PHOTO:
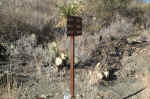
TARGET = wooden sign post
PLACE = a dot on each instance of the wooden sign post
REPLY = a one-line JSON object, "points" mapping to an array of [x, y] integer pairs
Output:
{"points": [[74, 28]]}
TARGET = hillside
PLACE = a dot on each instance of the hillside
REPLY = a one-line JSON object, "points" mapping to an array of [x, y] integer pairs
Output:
{"points": [[111, 56]]}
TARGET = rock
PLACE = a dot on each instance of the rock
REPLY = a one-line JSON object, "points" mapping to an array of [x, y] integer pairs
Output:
{"points": [[58, 61], [63, 56], [100, 75], [106, 73], [52, 47], [33, 36], [76, 60], [98, 66], [54, 44], [42, 97]]}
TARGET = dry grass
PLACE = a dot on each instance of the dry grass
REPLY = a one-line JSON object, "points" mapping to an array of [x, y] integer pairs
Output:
{"points": [[9, 93], [146, 79], [37, 13], [94, 77], [33, 12]]}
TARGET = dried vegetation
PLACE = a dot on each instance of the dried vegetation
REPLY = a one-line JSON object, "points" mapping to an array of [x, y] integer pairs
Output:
{"points": [[37, 46]]}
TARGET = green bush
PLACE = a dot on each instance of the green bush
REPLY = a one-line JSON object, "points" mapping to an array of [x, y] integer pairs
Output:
{"points": [[67, 9]]}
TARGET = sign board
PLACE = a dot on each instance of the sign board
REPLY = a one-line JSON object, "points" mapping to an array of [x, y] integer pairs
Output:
{"points": [[74, 28], [74, 25]]}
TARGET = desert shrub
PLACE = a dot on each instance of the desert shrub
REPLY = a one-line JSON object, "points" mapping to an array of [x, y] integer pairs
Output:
{"points": [[12, 29], [137, 14], [109, 52], [28, 61], [4, 55], [48, 33], [29, 58], [68, 9], [35, 12], [28, 17], [146, 15], [106, 9], [119, 28]]}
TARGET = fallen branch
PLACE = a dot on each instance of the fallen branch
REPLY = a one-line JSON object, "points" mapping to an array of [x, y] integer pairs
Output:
{"points": [[133, 94]]}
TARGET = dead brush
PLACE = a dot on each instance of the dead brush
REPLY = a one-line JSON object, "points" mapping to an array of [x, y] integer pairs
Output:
{"points": [[38, 62], [145, 77], [9, 90], [94, 77], [98, 73], [146, 80]]}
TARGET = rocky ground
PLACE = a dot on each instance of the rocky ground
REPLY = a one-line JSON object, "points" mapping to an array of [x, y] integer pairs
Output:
{"points": [[111, 57], [132, 82]]}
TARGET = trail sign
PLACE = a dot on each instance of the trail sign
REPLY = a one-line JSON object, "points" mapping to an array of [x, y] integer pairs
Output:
{"points": [[74, 25], [74, 28]]}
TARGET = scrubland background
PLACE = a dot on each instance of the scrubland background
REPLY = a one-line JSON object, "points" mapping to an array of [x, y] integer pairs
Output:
{"points": [[111, 57]]}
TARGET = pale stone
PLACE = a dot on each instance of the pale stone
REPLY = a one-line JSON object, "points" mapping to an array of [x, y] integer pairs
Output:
{"points": [[98, 66], [63, 56], [100, 75], [33, 36], [106, 73], [76, 60], [58, 61], [11, 46], [54, 44], [42, 97], [94, 18]]}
